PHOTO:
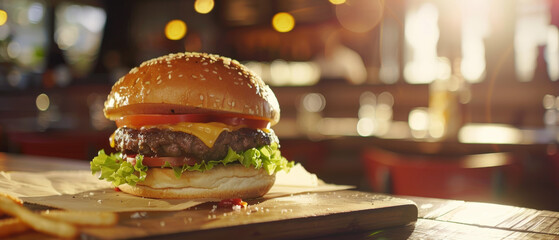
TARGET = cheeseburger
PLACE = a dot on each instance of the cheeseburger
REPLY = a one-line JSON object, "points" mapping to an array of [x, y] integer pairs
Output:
{"points": [[192, 125]]}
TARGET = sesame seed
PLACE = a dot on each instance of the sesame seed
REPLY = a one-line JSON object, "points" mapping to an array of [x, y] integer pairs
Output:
{"points": [[147, 82], [233, 103], [159, 82], [214, 72], [226, 61], [180, 75], [169, 76], [206, 70], [194, 76], [204, 63], [201, 97], [220, 78]]}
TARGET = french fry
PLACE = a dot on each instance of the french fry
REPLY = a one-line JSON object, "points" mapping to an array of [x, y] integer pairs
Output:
{"points": [[15, 199], [11, 226], [82, 218], [53, 222], [36, 221]]}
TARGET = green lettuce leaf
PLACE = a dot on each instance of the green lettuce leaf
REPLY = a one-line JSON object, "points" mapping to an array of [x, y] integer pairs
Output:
{"points": [[118, 171]]}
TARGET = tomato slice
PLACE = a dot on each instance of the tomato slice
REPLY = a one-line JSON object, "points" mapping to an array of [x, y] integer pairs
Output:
{"points": [[234, 120], [137, 121], [157, 119], [160, 161]]}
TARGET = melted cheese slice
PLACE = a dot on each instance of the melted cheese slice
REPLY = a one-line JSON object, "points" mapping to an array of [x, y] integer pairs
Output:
{"points": [[207, 132]]}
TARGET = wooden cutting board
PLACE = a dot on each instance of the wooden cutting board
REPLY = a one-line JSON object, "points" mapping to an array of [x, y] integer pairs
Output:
{"points": [[297, 216]]}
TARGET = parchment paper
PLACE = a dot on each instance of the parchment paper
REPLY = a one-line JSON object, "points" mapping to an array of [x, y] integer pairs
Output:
{"points": [[80, 190]]}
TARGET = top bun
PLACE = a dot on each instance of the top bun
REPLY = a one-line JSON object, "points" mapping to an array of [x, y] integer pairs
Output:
{"points": [[192, 83]]}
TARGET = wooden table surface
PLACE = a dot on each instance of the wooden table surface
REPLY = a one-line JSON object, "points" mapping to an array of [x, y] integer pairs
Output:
{"points": [[437, 218]]}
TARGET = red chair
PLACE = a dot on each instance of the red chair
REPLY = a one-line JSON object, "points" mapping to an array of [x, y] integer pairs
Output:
{"points": [[471, 177], [64, 144]]}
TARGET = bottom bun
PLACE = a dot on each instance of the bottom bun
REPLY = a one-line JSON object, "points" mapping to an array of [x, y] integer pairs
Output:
{"points": [[221, 182]]}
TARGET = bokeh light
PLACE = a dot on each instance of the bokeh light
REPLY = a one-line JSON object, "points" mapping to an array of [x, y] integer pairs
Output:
{"points": [[548, 101], [489, 133], [203, 6], [365, 127], [175, 29], [360, 15], [13, 49], [3, 17], [35, 12], [42, 102], [283, 22], [418, 121], [314, 102], [67, 36]]}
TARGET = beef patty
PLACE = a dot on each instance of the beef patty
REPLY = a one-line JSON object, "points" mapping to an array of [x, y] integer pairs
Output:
{"points": [[167, 143]]}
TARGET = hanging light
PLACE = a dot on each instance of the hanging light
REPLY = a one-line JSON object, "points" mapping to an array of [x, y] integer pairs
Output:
{"points": [[175, 29], [203, 6], [283, 22], [3, 17]]}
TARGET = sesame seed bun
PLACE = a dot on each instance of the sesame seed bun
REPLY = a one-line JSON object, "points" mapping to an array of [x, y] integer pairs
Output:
{"points": [[221, 182], [192, 83]]}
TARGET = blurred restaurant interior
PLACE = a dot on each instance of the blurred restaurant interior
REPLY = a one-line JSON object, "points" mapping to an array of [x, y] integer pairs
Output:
{"points": [[452, 99]]}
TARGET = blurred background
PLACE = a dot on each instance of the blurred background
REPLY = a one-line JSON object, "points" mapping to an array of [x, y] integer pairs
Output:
{"points": [[439, 98]]}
